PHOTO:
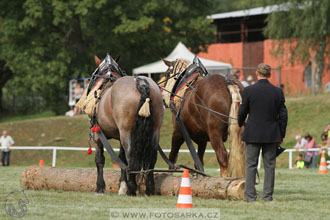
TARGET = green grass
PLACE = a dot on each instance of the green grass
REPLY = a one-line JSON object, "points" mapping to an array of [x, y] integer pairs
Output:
{"points": [[11, 118], [299, 194], [306, 114]]}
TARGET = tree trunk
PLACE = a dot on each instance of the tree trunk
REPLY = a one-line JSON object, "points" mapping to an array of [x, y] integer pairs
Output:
{"points": [[320, 65], [75, 179], [5, 75]]}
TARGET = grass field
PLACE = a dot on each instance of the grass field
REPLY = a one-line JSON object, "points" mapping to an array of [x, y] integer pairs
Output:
{"points": [[306, 114], [299, 194]]}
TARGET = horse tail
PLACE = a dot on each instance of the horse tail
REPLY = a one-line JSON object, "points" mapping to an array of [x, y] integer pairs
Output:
{"points": [[142, 148]]}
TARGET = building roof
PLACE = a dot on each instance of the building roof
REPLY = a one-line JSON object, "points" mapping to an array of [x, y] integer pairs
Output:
{"points": [[180, 51], [248, 12]]}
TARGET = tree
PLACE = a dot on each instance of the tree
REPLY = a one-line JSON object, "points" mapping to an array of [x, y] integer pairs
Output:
{"points": [[44, 43], [5, 75], [304, 25], [233, 5]]}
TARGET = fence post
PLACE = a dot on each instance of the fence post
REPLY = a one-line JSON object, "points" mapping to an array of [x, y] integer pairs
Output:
{"points": [[54, 157], [290, 159]]}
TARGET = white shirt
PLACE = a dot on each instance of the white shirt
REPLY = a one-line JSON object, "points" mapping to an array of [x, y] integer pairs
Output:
{"points": [[244, 83], [302, 143], [6, 142]]}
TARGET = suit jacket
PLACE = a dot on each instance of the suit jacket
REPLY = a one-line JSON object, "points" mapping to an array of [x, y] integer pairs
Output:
{"points": [[268, 116]]}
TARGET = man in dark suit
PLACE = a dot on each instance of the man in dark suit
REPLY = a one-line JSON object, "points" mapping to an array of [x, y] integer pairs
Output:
{"points": [[264, 129]]}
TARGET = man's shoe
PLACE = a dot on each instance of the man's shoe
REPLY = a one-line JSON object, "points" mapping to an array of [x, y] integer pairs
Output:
{"points": [[268, 200]]}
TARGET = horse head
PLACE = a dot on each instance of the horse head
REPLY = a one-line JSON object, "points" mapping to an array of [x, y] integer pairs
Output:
{"points": [[175, 69], [108, 68], [199, 65]]}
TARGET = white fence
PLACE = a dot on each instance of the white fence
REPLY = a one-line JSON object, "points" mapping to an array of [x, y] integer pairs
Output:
{"points": [[56, 148]]}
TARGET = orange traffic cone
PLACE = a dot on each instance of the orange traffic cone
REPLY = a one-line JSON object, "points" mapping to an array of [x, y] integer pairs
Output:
{"points": [[185, 198], [323, 165], [41, 163]]}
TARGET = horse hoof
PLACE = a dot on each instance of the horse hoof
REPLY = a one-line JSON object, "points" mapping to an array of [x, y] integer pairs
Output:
{"points": [[148, 194], [131, 194], [99, 194], [123, 188]]}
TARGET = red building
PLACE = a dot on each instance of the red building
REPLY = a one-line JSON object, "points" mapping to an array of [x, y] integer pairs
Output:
{"points": [[240, 41]]}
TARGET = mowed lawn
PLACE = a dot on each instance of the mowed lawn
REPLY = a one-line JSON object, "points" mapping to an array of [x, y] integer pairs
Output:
{"points": [[299, 194], [308, 114]]}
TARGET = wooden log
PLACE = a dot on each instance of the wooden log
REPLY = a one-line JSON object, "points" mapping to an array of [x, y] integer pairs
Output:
{"points": [[75, 179]]}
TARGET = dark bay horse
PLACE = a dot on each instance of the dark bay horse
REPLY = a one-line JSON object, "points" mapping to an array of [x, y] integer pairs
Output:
{"points": [[119, 118], [201, 124]]}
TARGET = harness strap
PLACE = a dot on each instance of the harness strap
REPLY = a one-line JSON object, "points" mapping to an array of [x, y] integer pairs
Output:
{"points": [[110, 150], [186, 137], [163, 155], [121, 164]]}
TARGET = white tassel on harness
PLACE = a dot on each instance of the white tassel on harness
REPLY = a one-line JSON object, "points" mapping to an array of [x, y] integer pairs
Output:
{"points": [[145, 109]]}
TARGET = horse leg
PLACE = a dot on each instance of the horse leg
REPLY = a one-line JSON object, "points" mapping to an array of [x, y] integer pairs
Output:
{"points": [[131, 185], [130, 178], [201, 151], [225, 134], [177, 141], [123, 177], [99, 161], [150, 182], [220, 151]]}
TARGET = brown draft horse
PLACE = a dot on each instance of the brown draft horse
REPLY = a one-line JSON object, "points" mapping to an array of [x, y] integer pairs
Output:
{"points": [[203, 125], [119, 119]]}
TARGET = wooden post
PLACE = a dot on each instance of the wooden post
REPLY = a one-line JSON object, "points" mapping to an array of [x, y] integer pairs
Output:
{"points": [[313, 75]]}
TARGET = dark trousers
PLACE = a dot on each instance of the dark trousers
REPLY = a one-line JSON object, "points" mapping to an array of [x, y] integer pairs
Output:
{"points": [[269, 158], [4, 156]]}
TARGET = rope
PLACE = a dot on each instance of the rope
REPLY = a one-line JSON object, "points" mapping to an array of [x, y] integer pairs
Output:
{"points": [[201, 106], [206, 108], [168, 78], [212, 111]]}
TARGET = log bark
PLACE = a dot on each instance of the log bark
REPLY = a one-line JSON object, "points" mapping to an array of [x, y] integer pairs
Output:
{"points": [[75, 179]]}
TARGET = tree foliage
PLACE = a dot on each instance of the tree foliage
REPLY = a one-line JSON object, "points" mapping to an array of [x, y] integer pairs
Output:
{"points": [[44, 43], [304, 24]]}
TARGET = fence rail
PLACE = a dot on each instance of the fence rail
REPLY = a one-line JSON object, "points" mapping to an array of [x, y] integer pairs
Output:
{"points": [[56, 148]]}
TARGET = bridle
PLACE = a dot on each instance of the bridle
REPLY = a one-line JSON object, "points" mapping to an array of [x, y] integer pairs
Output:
{"points": [[108, 69]]}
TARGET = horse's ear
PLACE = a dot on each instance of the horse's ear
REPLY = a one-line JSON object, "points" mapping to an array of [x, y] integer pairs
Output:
{"points": [[167, 63], [97, 60], [117, 59]]}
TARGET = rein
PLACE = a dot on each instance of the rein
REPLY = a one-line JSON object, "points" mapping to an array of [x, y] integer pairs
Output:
{"points": [[203, 106], [206, 108], [167, 78]]}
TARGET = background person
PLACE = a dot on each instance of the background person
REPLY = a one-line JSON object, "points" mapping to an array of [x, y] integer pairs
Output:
{"points": [[264, 129], [324, 146], [6, 142], [328, 128], [299, 163], [300, 142], [78, 93], [310, 156]]}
